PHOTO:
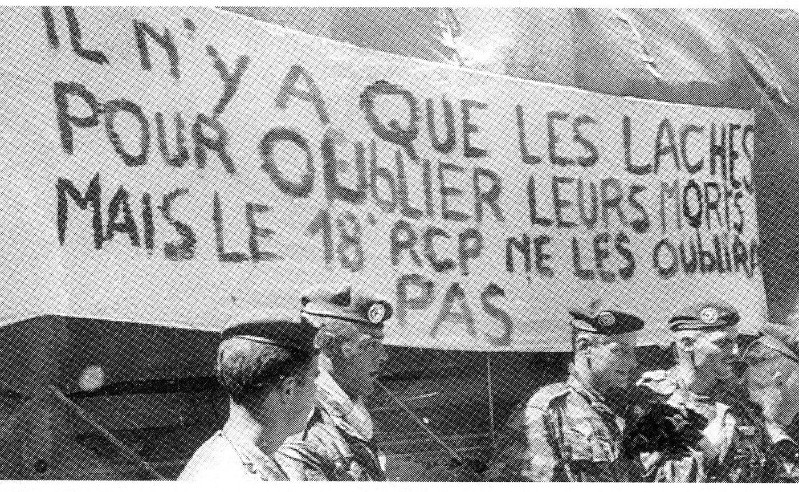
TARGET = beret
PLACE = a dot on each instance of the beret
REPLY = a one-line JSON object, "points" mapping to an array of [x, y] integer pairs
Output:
{"points": [[775, 344], [277, 328], [347, 303], [708, 316], [604, 320], [779, 339]]}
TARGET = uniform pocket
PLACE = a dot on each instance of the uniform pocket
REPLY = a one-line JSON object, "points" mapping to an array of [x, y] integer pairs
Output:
{"points": [[578, 445]]}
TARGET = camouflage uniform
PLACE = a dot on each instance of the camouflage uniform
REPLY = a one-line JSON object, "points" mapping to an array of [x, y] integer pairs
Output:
{"points": [[338, 441], [571, 436], [718, 437], [740, 455], [569, 433], [785, 450], [335, 445], [219, 458], [783, 462]]}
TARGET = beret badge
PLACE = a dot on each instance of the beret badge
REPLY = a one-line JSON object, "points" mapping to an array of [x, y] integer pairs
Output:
{"points": [[606, 319], [709, 315], [377, 313]]}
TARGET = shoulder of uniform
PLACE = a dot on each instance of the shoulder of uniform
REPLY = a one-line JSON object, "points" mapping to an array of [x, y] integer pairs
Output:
{"points": [[326, 439], [544, 397], [216, 457], [656, 375], [658, 382], [297, 449], [307, 459]]}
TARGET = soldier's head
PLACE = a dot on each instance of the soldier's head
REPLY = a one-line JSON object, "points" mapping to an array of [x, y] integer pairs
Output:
{"points": [[604, 339], [267, 364], [706, 339], [350, 338], [772, 375]]}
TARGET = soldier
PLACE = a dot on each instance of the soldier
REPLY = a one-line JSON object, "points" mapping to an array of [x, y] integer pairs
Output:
{"points": [[267, 364], [574, 429], [700, 425], [772, 377], [338, 442]]}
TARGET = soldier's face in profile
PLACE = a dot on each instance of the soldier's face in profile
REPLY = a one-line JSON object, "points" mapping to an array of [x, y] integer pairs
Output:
{"points": [[773, 383], [613, 360], [713, 352], [366, 358]]}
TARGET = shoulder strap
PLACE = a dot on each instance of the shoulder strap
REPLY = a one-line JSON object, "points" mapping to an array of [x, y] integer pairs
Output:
{"points": [[543, 397], [366, 454]]}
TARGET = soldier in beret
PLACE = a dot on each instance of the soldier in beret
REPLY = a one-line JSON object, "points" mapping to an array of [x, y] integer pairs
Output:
{"points": [[715, 433], [772, 378], [338, 442], [573, 430], [267, 365]]}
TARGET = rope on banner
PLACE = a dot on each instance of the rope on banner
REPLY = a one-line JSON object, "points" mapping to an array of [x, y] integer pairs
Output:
{"points": [[454, 454]]}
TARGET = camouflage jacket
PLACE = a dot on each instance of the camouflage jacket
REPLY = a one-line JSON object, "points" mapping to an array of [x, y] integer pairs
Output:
{"points": [[734, 446], [568, 435], [221, 459], [785, 455], [332, 447]]}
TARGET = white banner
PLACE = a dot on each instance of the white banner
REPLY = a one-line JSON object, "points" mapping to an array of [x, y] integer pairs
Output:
{"points": [[164, 163]]}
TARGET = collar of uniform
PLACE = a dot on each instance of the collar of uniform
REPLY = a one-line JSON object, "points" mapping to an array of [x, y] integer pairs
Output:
{"points": [[682, 387], [352, 417], [593, 399], [777, 433], [255, 460]]}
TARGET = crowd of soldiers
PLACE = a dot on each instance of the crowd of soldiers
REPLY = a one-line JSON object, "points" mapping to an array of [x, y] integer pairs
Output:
{"points": [[297, 386], [723, 413]]}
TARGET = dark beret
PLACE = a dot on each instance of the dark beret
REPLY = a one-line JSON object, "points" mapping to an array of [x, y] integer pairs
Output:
{"points": [[708, 316], [775, 344], [779, 338], [276, 328], [347, 303], [604, 320]]}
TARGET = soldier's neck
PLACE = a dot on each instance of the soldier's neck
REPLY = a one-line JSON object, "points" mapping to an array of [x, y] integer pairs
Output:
{"points": [[693, 380], [338, 371], [241, 426], [590, 384]]}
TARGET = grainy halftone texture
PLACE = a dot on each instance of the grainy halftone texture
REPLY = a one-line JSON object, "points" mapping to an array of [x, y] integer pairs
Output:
{"points": [[146, 396]]}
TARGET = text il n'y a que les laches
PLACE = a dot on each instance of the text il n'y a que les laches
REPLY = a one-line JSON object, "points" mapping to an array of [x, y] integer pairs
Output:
{"points": [[435, 177]]}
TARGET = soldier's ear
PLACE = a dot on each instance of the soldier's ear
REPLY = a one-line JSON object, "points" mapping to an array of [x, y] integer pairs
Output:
{"points": [[582, 343], [287, 388], [352, 346], [348, 349], [686, 343]]}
